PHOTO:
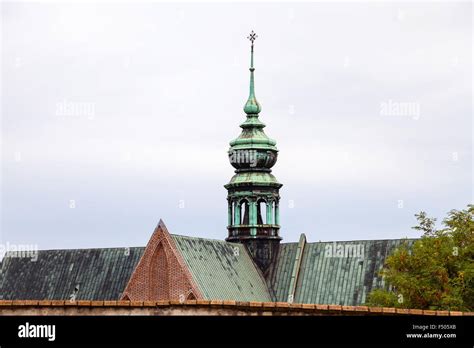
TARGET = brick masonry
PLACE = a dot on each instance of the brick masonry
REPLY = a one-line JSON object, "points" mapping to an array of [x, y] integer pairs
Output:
{"points": [[161, 273], [201, 307]]}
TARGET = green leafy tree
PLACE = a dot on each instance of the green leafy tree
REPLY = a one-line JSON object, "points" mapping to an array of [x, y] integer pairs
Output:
{"points": [[434, 272]]}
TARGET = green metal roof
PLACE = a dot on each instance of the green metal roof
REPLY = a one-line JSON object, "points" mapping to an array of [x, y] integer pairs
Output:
{"points": [[252, 136], [222, 270], [280, 273], [344, 280], [99, 274], [256, 178]]}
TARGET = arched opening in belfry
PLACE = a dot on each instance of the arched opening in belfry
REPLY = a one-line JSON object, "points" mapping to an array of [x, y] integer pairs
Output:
{"points": [[276, 213], [232, 213], [244, 212], [262, 212]]}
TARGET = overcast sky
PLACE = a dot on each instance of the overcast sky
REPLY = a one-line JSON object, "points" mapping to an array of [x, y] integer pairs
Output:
{"points": [[117, 115]]}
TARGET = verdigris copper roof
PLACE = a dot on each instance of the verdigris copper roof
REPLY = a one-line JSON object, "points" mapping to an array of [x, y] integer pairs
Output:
{"points": [[280, 273], [222, 270], [89, 274], [262, 179], [328, 277], [309, 272]]}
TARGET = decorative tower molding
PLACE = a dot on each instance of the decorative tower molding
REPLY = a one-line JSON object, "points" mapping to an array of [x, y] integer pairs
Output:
{"points": [[253, 192]]}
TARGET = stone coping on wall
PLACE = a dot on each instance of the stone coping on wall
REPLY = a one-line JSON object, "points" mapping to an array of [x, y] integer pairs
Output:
{"points": [[204, 307]]}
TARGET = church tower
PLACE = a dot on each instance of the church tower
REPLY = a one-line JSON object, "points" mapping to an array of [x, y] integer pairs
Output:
{"points": [[253, 192]]}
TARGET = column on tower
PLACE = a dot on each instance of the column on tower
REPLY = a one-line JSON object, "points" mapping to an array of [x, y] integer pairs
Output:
{"points": [[229, 212], [253, 217], [277, 213], [269, 204]]}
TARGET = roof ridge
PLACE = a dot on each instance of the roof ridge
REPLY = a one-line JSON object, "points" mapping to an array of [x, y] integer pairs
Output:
{"points": [[76, 249], [209, 239], [359, 240]]}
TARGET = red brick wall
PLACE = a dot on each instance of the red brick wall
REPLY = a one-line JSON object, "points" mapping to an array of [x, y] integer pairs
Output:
{"points": [[202, 307], [161, 273]]}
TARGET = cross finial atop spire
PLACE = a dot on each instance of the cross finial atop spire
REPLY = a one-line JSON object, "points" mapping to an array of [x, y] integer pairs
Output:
{"points": [[252, 37], [252, 106]]}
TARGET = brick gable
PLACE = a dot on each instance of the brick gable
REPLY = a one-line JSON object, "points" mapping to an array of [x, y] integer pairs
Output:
{"points": [[161, 273]]}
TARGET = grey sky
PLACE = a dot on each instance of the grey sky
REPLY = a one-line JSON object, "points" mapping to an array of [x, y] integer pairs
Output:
{"points": [[162, 86]]}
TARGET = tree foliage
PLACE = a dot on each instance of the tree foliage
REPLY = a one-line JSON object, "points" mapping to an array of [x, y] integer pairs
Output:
{"points": [[434, 272]]}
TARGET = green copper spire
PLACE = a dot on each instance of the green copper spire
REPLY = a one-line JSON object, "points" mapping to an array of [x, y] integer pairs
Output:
{"points": [[252, 106], [253, 192]]}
